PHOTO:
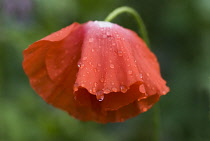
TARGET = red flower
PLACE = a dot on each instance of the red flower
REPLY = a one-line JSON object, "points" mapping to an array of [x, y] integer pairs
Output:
{"points": [[95, 71]]}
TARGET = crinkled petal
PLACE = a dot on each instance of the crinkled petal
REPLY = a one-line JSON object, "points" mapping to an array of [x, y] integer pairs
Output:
{"points": [[114, 100], [65, 56], [103, 115], [43, 59]]}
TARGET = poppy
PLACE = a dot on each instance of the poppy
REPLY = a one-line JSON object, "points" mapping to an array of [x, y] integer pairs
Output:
{"points": [[96, 71]]}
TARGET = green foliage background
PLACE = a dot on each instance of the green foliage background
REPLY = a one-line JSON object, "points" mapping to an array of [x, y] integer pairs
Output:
{"points": [[179, 31]]}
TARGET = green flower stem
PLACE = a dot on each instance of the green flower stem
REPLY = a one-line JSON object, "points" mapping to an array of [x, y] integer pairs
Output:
{"points": [[125, 9], [144, 35]]}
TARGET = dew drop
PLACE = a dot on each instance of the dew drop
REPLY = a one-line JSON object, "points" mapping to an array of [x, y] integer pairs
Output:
{"points": [[164, 92], [140, 75], [80, 65], [114, 89], [123, 89], [142, 88], [92, 50], [120, 53], [99, 65], [144, 109], [95, 84], [91, 91], [106, 91], [100, 95], [84, 58], [130, 72], [111, 66], [91, 40], [147, 74], [94, 90], [102, 79], [96, 70], [76, 87]]}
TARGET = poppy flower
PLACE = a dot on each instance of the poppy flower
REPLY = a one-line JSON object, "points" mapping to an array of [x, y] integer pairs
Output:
{"points": [[96, 71]]}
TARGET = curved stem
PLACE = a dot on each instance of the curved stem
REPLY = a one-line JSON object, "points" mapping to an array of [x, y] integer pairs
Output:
{"points": [[125, 9]]}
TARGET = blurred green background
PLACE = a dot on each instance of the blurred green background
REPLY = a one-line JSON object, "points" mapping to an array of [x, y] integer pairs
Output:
{"points": [[179, 31]]}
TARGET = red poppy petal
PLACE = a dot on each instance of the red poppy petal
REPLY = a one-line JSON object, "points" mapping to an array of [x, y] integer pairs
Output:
{"points": [[34, 67], [114, 57], [107, 62], [147, 64], [134, 109], [112, 101], [66, 54], [38, 61], [116, 100], [103, 115]]}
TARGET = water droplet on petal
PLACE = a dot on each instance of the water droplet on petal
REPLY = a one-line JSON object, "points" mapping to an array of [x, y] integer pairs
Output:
{"points": [[100, 95], [90, 90], [142, 88], [164, 92], [147, 74], [130, 72], [80, 65], [92, 50], [120, 53], [95, 84], [84, 58], [123, 89], [111, 66], [106, 91], [99, 65], [76, 87], [144, 109], [114, 89], [140, 75], [91, 40], [102, 79], [94, 90]]}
